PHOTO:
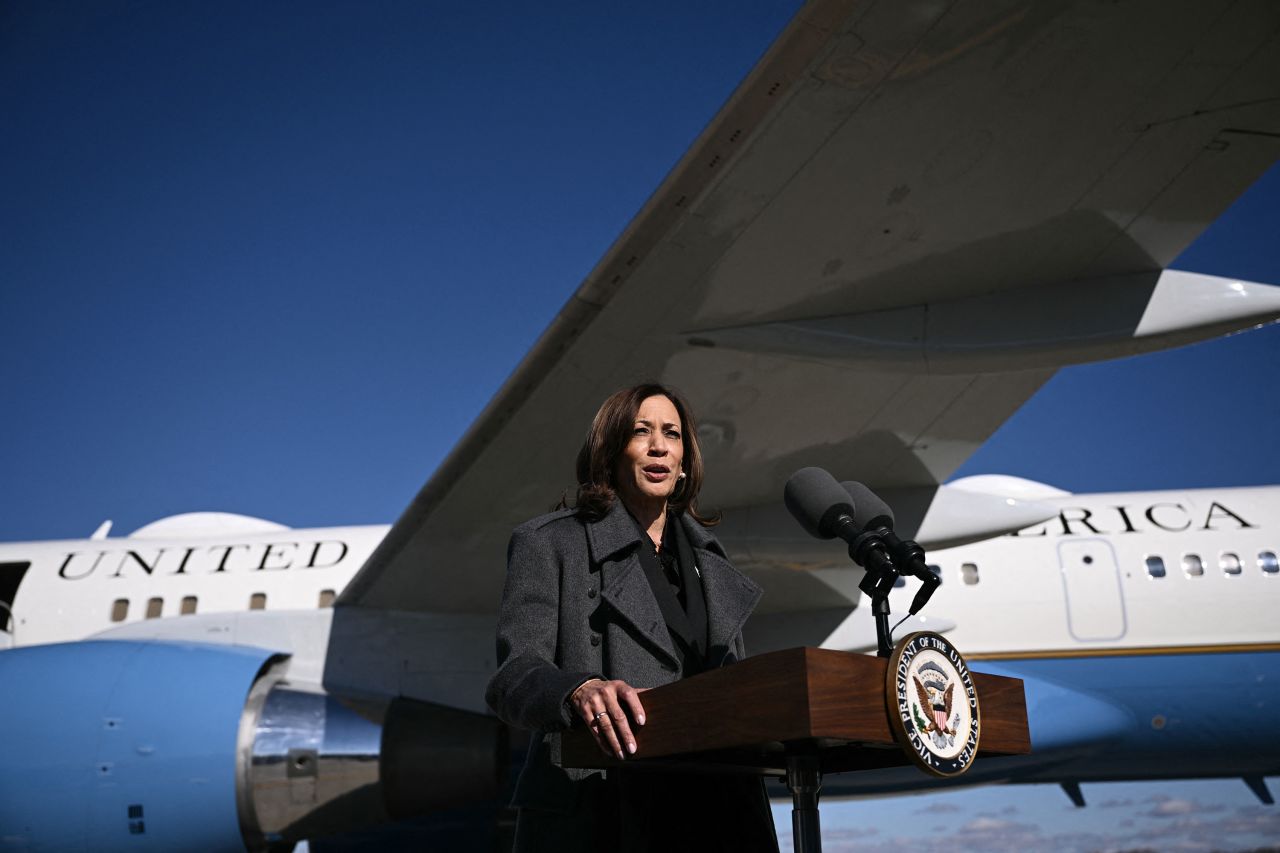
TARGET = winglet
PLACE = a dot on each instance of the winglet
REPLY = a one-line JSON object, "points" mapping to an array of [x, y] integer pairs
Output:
{"points": [[103, 529], [1184, 301]]}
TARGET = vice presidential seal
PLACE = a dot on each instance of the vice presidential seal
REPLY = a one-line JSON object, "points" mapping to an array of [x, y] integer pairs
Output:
{"points": [[933, 706]]}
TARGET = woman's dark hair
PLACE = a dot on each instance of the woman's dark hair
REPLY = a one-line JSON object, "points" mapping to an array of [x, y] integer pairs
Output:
{"points": [[611, 430]]}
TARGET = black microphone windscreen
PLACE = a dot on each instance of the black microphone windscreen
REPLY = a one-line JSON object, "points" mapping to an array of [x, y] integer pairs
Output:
{"points": [[815, 499], [868, 505]]}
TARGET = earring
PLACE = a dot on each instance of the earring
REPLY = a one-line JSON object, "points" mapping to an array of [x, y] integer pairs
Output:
{"points": [[679, 489]]}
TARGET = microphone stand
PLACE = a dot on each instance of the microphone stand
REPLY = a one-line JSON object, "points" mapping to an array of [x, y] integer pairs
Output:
{"points": [[869, 551], [881, 553]]}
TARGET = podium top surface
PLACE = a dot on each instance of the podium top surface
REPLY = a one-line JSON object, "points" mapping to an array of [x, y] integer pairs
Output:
{"points": [[752, 714]]}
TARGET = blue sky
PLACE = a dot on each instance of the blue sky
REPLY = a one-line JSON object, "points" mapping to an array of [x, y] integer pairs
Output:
{"points": [[274, 258], [1176, 816]]}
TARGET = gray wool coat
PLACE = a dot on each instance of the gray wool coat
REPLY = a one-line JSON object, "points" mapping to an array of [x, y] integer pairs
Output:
{"points": [[577, 605]]}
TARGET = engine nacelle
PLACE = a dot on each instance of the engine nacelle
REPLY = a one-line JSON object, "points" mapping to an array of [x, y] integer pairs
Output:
{"points": [[168, 746], [312, 764]]}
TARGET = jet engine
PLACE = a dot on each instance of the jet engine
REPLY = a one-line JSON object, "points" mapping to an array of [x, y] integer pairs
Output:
{"points": [[168, 746]]}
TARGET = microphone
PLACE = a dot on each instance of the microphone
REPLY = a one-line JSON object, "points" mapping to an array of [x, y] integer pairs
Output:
{"points": [[908, 556], [852, 512], [872, 512], [825, 509], [821, 505]]}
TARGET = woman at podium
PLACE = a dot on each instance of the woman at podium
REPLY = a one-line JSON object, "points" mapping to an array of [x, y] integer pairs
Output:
{"points": [[625, 590]]}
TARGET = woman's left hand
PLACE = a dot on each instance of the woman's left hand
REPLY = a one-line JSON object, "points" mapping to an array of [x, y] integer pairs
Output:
{"points": [[599, 704]]}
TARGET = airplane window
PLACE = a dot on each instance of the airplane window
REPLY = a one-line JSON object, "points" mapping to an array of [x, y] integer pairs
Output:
{"points": [[1192, 565], [188, 605], [969, 573], [1268, 563], [119, 609], [326, 598], [937, 571], [1155, 567], [1230, 563], [258, 601], [154, 606]]}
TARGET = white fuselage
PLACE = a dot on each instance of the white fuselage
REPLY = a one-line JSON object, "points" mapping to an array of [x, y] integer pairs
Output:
{"points": [[1084, 582], [78, 588], [1091, 579]]}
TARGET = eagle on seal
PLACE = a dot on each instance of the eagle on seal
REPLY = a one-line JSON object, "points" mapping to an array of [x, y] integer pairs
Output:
{"points": [[941, 707]]}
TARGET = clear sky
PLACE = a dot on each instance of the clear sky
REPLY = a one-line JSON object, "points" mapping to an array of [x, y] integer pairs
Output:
{"points": [[273, 258]]}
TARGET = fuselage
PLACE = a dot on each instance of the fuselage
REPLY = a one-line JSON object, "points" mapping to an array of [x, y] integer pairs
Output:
{"points": [[77, 588], [1143, 623], [1185, 570], [1182, 570]]}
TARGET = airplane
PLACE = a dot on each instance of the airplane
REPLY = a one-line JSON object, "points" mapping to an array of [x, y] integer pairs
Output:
{"points": [[923, 209]]}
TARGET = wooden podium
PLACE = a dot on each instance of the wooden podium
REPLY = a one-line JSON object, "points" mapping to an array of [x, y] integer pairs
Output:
{"points": [[796, 713]]}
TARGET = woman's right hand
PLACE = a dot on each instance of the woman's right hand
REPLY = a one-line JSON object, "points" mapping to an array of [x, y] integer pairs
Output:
{"points": [[600, 705]]}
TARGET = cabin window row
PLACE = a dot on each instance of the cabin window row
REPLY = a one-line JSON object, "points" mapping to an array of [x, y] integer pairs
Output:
{"points": [[1229, 563], [968, 573], [189, 604]]}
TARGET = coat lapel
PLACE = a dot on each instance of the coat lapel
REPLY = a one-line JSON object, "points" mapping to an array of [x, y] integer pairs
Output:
{"points": [[695, 613], [623, 584], [730, 595]]}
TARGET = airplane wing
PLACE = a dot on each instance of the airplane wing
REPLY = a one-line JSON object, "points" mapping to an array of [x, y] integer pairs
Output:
{"points": [[899, 225]]}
